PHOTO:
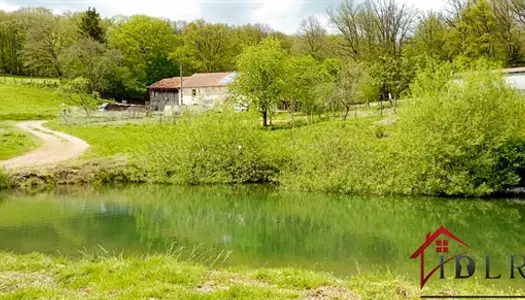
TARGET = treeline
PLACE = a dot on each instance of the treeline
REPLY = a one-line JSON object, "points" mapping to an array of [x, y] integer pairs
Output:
{"points": [[389, 40], [119, 56]]}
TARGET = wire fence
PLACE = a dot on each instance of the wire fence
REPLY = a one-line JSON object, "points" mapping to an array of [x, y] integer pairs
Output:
{"points": [[80, 117], [32, 81]]}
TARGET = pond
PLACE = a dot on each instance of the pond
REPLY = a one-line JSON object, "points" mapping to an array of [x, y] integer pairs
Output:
{"points": [[260, 226]]}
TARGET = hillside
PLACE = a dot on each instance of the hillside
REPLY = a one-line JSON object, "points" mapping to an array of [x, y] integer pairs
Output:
{"points": [[23, 102]]}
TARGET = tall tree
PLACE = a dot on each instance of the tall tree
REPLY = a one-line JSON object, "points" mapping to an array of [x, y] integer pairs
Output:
{"points": [[374, 27], [251, 34], [92, 60], [429, 38], [508, 32], [346, 20], [207, 47], [144, 41], [473, 32], [45, 42], [90, 26], [394, 22], [313, 37], [12, 36]]}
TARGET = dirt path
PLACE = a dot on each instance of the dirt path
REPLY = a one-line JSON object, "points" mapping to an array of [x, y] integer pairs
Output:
{"points": [[56, 147]]}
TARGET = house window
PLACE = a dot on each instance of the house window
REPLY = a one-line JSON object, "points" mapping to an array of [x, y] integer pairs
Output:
{"points": [[442, 246], [194, 93]]}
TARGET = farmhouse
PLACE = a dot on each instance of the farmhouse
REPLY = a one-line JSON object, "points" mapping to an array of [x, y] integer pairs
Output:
{"points": [[204, 89]]}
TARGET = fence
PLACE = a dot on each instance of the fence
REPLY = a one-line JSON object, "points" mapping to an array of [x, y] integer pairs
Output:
{"points": [[79, 117], [32, 81]]}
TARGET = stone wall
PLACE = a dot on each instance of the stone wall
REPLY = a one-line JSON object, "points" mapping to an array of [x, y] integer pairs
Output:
{"points": [[205, 96]]}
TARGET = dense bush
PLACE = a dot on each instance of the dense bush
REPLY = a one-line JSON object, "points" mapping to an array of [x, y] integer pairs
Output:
{"points": [[336, 157], [213, 148], [464, 137]]}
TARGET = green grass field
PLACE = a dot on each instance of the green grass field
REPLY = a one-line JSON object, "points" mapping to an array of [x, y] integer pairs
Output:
{"points": [[28, 103], [170, 277], [107, 140], [14, 141]]}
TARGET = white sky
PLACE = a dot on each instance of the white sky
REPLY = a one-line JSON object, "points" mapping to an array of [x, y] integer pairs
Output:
{"points": [[283, 15]]}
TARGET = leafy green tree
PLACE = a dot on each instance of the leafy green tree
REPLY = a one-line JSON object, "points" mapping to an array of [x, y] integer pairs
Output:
{"points": [[471, 139], [207, 47], [252, 34], [12, 36], [122, 85], [429, 38], [473, 33], [301, 78], [143, 41], [352, 87], [90, 26], [45, 43], [92, 60], [259, 80], [509, 32], [392, 77]]}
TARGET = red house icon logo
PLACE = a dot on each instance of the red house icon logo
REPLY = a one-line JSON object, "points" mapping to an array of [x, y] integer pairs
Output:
{"points": [[439, 242]]}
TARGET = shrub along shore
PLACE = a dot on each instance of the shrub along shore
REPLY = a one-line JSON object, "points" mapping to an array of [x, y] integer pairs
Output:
{"points": [[450, 139]]}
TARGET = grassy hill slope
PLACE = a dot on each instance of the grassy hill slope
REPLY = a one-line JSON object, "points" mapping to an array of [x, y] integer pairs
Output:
{"points": [[22, 102]]}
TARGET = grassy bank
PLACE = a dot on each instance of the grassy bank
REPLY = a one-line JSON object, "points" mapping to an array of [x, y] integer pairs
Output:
{"points": [[167, 276], [108, 140], [14, 141]]}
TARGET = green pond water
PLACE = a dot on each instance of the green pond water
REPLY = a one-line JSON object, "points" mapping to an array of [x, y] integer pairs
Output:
{"points": [[262, 227]]}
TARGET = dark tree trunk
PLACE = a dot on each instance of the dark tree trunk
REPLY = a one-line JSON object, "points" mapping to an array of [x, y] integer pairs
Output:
{"points": [[265, 118], [292, 117], [347, 111]]}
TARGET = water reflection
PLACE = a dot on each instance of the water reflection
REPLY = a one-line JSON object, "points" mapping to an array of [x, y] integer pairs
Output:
{"points": [[260, 225]]}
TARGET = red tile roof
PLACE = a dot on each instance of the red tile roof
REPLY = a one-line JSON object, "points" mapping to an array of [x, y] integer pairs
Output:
{"points": [[169, 83], [196, 80]]}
